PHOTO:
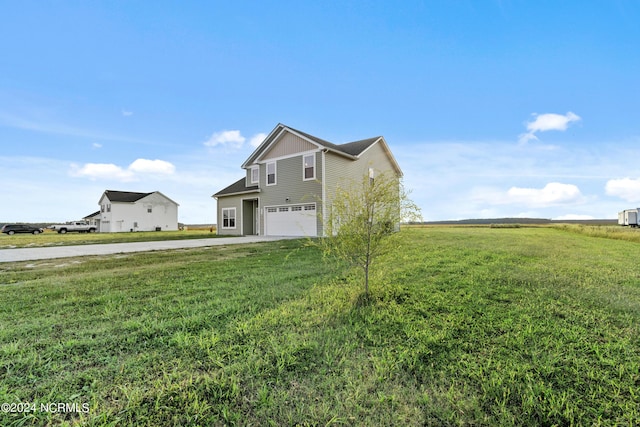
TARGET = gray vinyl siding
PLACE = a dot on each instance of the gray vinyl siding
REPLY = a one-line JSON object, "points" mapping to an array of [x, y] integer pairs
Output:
{"points": [[374, 157], [230, 202], [289, 144], [345, 172], [289, 184]]}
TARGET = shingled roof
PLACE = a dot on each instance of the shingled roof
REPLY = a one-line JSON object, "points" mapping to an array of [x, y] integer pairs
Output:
{"points": [[95, 214], [124, 196], [349, 149], [238, 187]]}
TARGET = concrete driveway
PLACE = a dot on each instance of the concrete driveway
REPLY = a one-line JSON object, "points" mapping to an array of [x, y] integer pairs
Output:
{"points": [[31, 254]]}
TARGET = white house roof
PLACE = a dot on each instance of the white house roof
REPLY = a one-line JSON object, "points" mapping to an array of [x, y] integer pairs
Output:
{"points": [[129, 196]]}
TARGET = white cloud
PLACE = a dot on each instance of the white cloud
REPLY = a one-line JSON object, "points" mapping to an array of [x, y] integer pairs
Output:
{"points": [[96, 145], [626, 188], [152, 166], [550, 121], [103, 171], [95, 171], [547, 122], [554, 193], [257, 139], [230, 138], [126, 113]]}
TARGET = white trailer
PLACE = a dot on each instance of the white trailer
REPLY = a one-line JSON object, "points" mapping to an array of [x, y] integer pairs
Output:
{"points": [[629, 217]]}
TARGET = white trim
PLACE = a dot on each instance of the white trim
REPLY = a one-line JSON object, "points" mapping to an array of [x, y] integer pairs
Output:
{"points": [[286, 156], [304, 178], [256, 190], [276, 139], [251, 169], [261, 147], [275, 173], [277, 207], [256, 220], [387, 151], [235, 218], [369, 147], [290, 204]]}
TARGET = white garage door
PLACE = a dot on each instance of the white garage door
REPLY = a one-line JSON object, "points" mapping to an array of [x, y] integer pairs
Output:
{"points": [[293, 220]]}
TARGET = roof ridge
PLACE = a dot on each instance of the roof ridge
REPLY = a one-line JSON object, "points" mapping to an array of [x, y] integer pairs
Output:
{"points": [[126, 196], [240, 186], [308, 135], [366, 142]]}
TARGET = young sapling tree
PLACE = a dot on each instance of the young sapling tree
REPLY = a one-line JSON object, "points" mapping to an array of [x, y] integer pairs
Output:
{"points": [[361, 222]]}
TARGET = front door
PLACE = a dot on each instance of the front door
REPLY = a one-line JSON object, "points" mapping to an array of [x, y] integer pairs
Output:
{"points": [[250, 217]]}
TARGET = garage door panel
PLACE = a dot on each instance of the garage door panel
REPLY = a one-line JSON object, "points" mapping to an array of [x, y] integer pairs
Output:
{"points": [[294, 220]]}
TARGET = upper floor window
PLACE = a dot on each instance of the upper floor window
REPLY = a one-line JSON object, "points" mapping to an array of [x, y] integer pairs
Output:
{"points": [[271, 173], [309, 166], [255, 174]]}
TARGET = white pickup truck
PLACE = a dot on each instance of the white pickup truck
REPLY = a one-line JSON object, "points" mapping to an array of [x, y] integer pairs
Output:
{"points": [[79, 226]]}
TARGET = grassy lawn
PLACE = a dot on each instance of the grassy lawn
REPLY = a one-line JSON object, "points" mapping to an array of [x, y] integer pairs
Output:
{"points": [[51, 238], [471, 326]]}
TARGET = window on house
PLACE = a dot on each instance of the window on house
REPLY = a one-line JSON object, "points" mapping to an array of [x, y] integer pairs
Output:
{"points": [[101, 208], [271, 173], [109, 207], [149, 209], [229, 218], [255, 174], [309, 165]]}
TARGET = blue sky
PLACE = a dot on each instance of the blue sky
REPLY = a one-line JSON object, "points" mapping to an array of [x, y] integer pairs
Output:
{"points": [[492, 108]]}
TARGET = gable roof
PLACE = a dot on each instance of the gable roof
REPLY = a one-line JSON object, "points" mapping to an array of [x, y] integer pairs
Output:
{"points": [[350, 150], [93, 215], [129, 196], [238, 187], [357, 147], [124, 196]]}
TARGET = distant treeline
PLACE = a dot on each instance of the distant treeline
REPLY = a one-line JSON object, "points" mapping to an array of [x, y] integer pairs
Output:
{"points": [[523, 221]]}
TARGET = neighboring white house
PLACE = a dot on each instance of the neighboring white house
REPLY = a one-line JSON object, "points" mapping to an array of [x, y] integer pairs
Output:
{"points": [[122, 211], [289, 181], [93, 219]]}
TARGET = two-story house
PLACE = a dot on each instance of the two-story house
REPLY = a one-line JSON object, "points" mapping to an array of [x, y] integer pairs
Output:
{"points": [[289, 180], [130, 211]]}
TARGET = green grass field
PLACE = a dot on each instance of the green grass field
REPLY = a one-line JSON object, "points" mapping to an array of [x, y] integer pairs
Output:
{"points": [[51, 238], [469, 326]]}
